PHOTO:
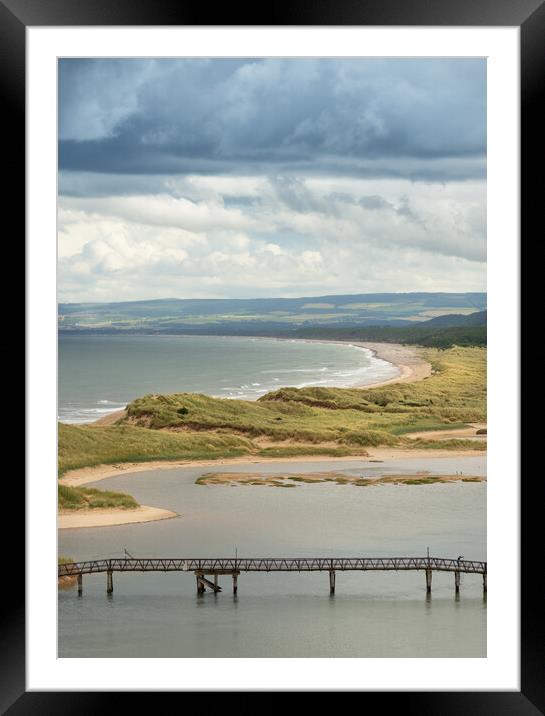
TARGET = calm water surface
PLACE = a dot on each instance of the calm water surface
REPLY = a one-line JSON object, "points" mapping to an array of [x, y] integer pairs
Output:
{"points": [[286, 615]]}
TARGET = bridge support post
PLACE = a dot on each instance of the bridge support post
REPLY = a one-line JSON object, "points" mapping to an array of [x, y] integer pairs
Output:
{"points": [[428, 581], [200, 584], [215, 582], [80, 585], [484, 583], [457, 582], [109, 582], [332, 581], [235, 585]]}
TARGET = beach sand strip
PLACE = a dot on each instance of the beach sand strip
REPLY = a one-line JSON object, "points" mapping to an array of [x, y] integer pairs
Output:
{"points": [[76, 519]]}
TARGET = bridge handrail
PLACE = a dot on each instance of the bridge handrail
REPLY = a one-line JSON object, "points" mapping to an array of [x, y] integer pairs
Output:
{"points": [[271, 564]]}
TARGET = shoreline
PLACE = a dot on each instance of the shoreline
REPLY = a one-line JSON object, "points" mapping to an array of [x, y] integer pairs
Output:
{"points": [[84, 475], [412, 368], [111, 517]]}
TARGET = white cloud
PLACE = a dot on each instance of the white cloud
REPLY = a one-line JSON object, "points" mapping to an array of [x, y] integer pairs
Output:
{"points": [[297, 236], [164, 210]]}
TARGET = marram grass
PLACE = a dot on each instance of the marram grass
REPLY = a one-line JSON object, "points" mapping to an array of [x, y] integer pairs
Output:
{"points": [[80, 498], [89, 445]]}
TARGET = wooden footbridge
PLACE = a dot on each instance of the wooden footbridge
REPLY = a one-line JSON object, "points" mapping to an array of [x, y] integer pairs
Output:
{"points": [[215, 567]]}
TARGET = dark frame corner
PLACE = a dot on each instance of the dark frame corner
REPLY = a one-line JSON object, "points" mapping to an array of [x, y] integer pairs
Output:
{"points": [[529, 15]]}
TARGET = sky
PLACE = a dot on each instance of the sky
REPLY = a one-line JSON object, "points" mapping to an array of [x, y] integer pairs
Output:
{"points": [[239, 178]]}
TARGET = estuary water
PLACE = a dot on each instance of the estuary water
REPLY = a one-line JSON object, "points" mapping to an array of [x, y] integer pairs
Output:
{"points": [[372, 614], [101, 374]]}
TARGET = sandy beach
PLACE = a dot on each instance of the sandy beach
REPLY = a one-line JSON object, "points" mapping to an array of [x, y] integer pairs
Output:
{"points": [[469, 433], [411, 365], [76, 519]]}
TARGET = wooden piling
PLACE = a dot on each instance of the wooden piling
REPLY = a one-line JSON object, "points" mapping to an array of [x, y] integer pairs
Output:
{"points": [[332, 581], [457, 582], [80, 585], [109, 582], [235, 586], [484, 583], [428, 581]]}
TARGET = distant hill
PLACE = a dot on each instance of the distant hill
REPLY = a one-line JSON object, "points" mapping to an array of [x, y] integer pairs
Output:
{"points": [[256, 315], [422, 335], [456, 319], [440, 332]]}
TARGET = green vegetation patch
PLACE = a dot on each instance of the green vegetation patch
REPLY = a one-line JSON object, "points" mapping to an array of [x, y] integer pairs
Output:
{"points": [[426, 425], [296, 450], [424, 481], [80, 498], [88, 445], [451, 444]]}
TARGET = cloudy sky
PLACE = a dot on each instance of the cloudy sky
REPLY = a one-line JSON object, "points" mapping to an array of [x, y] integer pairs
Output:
{"points": [[232, 178]]}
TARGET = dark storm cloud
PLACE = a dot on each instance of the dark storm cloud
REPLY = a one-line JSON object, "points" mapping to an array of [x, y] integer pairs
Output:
{"points": [[415, 118]]}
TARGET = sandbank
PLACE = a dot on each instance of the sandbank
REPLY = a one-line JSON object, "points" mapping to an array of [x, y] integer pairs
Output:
{"points": [[76, 519], [292, 480], [84, 475]]}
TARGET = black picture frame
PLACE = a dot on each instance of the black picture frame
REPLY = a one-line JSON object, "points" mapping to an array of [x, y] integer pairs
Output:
{"points": [[529, 15]]}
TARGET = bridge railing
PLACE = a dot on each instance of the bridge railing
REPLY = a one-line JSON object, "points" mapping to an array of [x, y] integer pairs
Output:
{"points": [[272, 564]]}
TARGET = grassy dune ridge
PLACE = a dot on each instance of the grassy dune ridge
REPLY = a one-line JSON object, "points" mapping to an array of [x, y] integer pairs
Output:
{"points": [[453, 396], [455, 392], [290, 421], [89, 445]]}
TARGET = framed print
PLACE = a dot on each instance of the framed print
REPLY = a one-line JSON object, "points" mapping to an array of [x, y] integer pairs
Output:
{"points": [[274, 256]]}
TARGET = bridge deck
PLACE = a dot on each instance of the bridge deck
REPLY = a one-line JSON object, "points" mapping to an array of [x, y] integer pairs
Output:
{"points": [[271, 564]]}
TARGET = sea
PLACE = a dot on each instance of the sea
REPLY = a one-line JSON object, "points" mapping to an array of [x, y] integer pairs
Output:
{"points": [[98, 375]]}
